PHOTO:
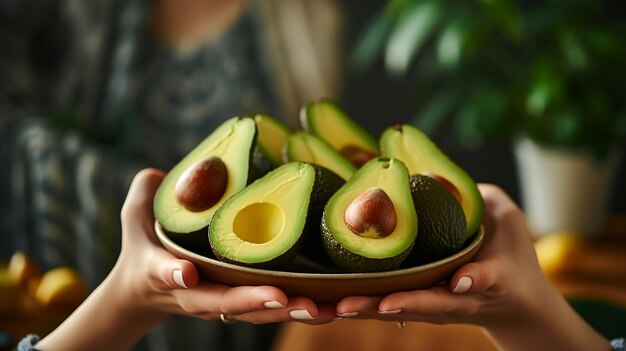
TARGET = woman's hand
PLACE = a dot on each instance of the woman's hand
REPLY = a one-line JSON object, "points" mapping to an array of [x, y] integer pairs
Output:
{"points": [[503, 290], [159, 282], [148, 283]]}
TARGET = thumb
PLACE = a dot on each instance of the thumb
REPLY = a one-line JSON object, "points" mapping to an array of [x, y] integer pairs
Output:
{"points": [[474, 278], [175, 273]]}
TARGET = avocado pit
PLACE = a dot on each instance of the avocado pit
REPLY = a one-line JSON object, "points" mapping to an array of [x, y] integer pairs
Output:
{"points": [[371, 214], [202, 185]]}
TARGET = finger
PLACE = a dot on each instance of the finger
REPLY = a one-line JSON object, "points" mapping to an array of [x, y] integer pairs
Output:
{"points": [[209, 300], [474, 277], [432, 305], [175, 273], [137, 214], [300, 309], [244, 299], [358, 307]]}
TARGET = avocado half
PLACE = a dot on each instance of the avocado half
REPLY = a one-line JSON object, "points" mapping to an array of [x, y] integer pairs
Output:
{"points": [[307, 147], [363, 252], [332, 124], [271, 138], [422, 156], [233, 143], [266, 223]]}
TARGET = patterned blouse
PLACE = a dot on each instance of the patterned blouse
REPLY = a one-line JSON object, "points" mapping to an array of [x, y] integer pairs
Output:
{"points": [[87, 99]]}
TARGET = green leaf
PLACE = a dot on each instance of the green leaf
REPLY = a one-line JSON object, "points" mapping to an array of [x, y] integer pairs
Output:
{"points": [[409, 35]]}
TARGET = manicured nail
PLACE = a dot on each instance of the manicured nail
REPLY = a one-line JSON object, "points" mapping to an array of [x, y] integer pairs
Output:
{"points": [[348, 314], [390, 312], [464, 284], [273, 304], [177, 275], [300, 314]]}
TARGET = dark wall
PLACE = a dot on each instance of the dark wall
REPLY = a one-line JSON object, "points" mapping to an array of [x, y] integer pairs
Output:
{"points": [[377, 101]]}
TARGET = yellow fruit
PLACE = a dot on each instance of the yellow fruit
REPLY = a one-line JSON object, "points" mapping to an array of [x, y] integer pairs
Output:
{"points": [[10, 291], [559, 251], [61, 288], [23, 268]]}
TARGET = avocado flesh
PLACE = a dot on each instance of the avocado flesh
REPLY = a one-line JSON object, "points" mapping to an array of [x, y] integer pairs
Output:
{"points": [[355, 253], [442, 224], [420, 154], [265, 224], [306, 147], [333, 125], [232, 142], [271, 138]]}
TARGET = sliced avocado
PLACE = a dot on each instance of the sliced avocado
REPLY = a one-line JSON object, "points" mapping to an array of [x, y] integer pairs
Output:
{"points": [[422, 156], [442, 224], [266, 223], [224, 157], [370, 224], [333, 125], [271, 138], [306, 147]]}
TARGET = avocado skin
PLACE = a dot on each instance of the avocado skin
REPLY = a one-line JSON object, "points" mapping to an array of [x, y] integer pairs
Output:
{"points": [[351, 262], [326, 184], [442, 223]]}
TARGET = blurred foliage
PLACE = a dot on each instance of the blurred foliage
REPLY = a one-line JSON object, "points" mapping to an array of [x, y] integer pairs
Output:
{"points": [[497, 69]]}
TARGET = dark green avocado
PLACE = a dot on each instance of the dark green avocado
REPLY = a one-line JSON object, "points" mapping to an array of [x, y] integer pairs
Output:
{"points": [[441, 221], [370, 223], [191, 192], [332, 124], [265, 224]]}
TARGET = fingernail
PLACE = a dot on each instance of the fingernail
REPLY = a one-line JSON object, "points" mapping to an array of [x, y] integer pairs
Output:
{"points": [[348, 314], [464, 284], [300, 314], [390, 312], [177, 274], [273, 304]]}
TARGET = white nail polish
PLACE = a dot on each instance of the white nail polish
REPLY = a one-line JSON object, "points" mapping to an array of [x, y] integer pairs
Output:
{"points": [[464, 284], [177, 275], [348, 314], [301, 315], [273, 304], [390, 312]]}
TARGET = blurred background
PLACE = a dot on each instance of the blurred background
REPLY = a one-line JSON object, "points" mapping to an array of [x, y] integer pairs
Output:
{"points": [[477, 75], [93, 91]]}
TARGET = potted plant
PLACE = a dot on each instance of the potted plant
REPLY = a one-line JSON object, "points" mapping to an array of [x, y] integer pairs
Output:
{"points": [[545, 76]]}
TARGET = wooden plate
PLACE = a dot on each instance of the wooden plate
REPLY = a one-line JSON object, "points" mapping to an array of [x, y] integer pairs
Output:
{"points": [[327, 287]]}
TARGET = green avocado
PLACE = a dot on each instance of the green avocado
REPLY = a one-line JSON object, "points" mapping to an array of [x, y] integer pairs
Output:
{"points": [[306, 147], [370, 223], [333, 125], [271, 138], [422, 156], [266, 223], [442, 223], [191, 192]]}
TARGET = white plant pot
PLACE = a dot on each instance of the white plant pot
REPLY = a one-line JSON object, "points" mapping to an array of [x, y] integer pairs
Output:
{"points": [[563, 190]]}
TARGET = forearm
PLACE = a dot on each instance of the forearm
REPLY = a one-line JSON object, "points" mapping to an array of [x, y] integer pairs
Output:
{"points": [[103, 322], [554, 325]]}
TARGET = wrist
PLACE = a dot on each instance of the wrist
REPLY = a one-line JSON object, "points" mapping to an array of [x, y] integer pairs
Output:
{"points": [[545, 322]]}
